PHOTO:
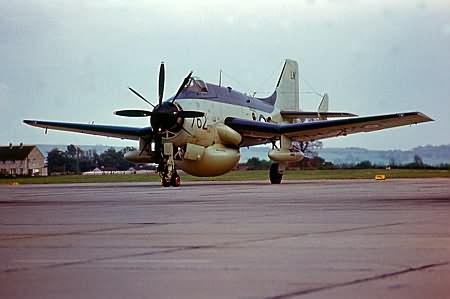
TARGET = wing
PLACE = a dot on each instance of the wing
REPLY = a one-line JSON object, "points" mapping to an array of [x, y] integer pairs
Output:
{"points": [[254, 130], [102, 130]]}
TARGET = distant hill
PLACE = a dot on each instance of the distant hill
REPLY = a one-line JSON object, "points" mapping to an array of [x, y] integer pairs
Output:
{"points": [[430, 154]]}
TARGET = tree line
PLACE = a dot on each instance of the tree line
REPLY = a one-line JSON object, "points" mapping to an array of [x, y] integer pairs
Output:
{"points": [[316, 162], [75, 160]]}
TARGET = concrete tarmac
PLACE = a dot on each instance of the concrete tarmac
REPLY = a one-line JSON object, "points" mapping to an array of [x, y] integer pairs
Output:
{"points": [[300, 239]]}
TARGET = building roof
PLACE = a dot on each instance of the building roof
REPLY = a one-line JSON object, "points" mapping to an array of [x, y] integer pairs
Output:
{"points": [[17, 152]]}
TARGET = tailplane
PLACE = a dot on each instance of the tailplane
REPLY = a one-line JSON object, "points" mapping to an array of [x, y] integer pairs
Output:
{"points": [[322, 112]]}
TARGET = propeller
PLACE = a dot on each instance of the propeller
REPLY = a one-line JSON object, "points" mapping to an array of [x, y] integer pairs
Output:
{"points": [[168, 108], [166, 116]]}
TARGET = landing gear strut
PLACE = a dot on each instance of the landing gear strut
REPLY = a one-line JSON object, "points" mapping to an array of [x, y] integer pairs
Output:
{"points": [[166, 168], [274, 174]]}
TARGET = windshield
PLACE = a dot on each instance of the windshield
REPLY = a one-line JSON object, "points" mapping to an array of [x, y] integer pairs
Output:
{"points": [[197, 85]]}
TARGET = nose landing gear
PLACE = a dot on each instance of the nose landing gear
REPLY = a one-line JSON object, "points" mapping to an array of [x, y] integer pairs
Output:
{"points": [[170, 180], [167, 170]]}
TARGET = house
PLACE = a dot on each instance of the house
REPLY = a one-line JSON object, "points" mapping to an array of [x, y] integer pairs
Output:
{"points": [[22, 160]]}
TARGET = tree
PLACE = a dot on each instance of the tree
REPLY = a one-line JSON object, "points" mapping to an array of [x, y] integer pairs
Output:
{"points": [[71, 150], [56, 161], [418, 161], [309, 148], [313, 148], [256, 164], [364, 164], [114, 159], [392, 162], [88, 160], [73, 158]]}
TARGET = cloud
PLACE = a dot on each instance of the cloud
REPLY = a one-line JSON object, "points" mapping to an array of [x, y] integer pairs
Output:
{"points": [[58, 58]]}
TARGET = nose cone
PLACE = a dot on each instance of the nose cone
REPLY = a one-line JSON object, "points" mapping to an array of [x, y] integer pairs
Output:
{"points": [[165, 118]]}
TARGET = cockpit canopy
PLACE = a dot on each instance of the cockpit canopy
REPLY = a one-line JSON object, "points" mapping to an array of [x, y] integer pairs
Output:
{"points": [[197, 85]]}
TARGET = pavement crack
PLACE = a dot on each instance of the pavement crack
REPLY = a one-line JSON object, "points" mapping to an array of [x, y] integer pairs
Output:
{"points": [[293, 236], [177, 249], [357, 281], [100, 259], [79, 232]]}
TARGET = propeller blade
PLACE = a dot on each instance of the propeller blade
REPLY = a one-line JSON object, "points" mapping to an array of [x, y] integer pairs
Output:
{"points": [[185, 81], [133, 113], [139, 95], [190, 114], [161, 80]]}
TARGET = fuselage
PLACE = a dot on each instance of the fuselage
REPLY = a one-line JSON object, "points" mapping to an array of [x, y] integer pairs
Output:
{"points": [[218, 103], [208, 147]]}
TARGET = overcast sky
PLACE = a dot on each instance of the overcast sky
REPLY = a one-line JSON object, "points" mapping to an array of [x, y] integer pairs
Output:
{"points": [[73, 60]]}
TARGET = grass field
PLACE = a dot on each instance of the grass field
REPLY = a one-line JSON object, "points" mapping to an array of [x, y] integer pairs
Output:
{"points": [[238, 176]]}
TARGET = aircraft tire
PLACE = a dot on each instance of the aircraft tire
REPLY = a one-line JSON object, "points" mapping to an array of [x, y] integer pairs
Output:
{"points": [[274, 175], [165, 182], [176, 180]]}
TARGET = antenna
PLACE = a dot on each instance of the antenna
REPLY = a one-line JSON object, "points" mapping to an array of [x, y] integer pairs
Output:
{"points": [[220, 77]]}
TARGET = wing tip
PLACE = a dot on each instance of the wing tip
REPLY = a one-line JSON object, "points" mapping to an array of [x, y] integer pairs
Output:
{"points": [[425, 117], [30, 122]]}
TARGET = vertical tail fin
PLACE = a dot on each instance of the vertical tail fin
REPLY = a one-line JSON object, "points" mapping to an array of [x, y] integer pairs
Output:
{"points": [[287, 90]]}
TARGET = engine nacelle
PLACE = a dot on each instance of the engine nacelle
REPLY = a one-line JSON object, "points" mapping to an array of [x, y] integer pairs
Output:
{"points": [[135, 157], [285, 155], [227, 135], [213, 160]]}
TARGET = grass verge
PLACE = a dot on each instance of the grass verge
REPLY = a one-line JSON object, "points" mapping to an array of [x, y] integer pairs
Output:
{"points": [[238, 176]]}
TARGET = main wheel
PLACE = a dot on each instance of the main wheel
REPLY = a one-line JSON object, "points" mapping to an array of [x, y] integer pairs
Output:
{"points": [[165, 182], [176, 180], [274, 175]]}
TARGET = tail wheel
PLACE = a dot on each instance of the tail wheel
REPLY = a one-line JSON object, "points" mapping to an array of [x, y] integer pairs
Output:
{"points": [[176, 180], [274, 175]]}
